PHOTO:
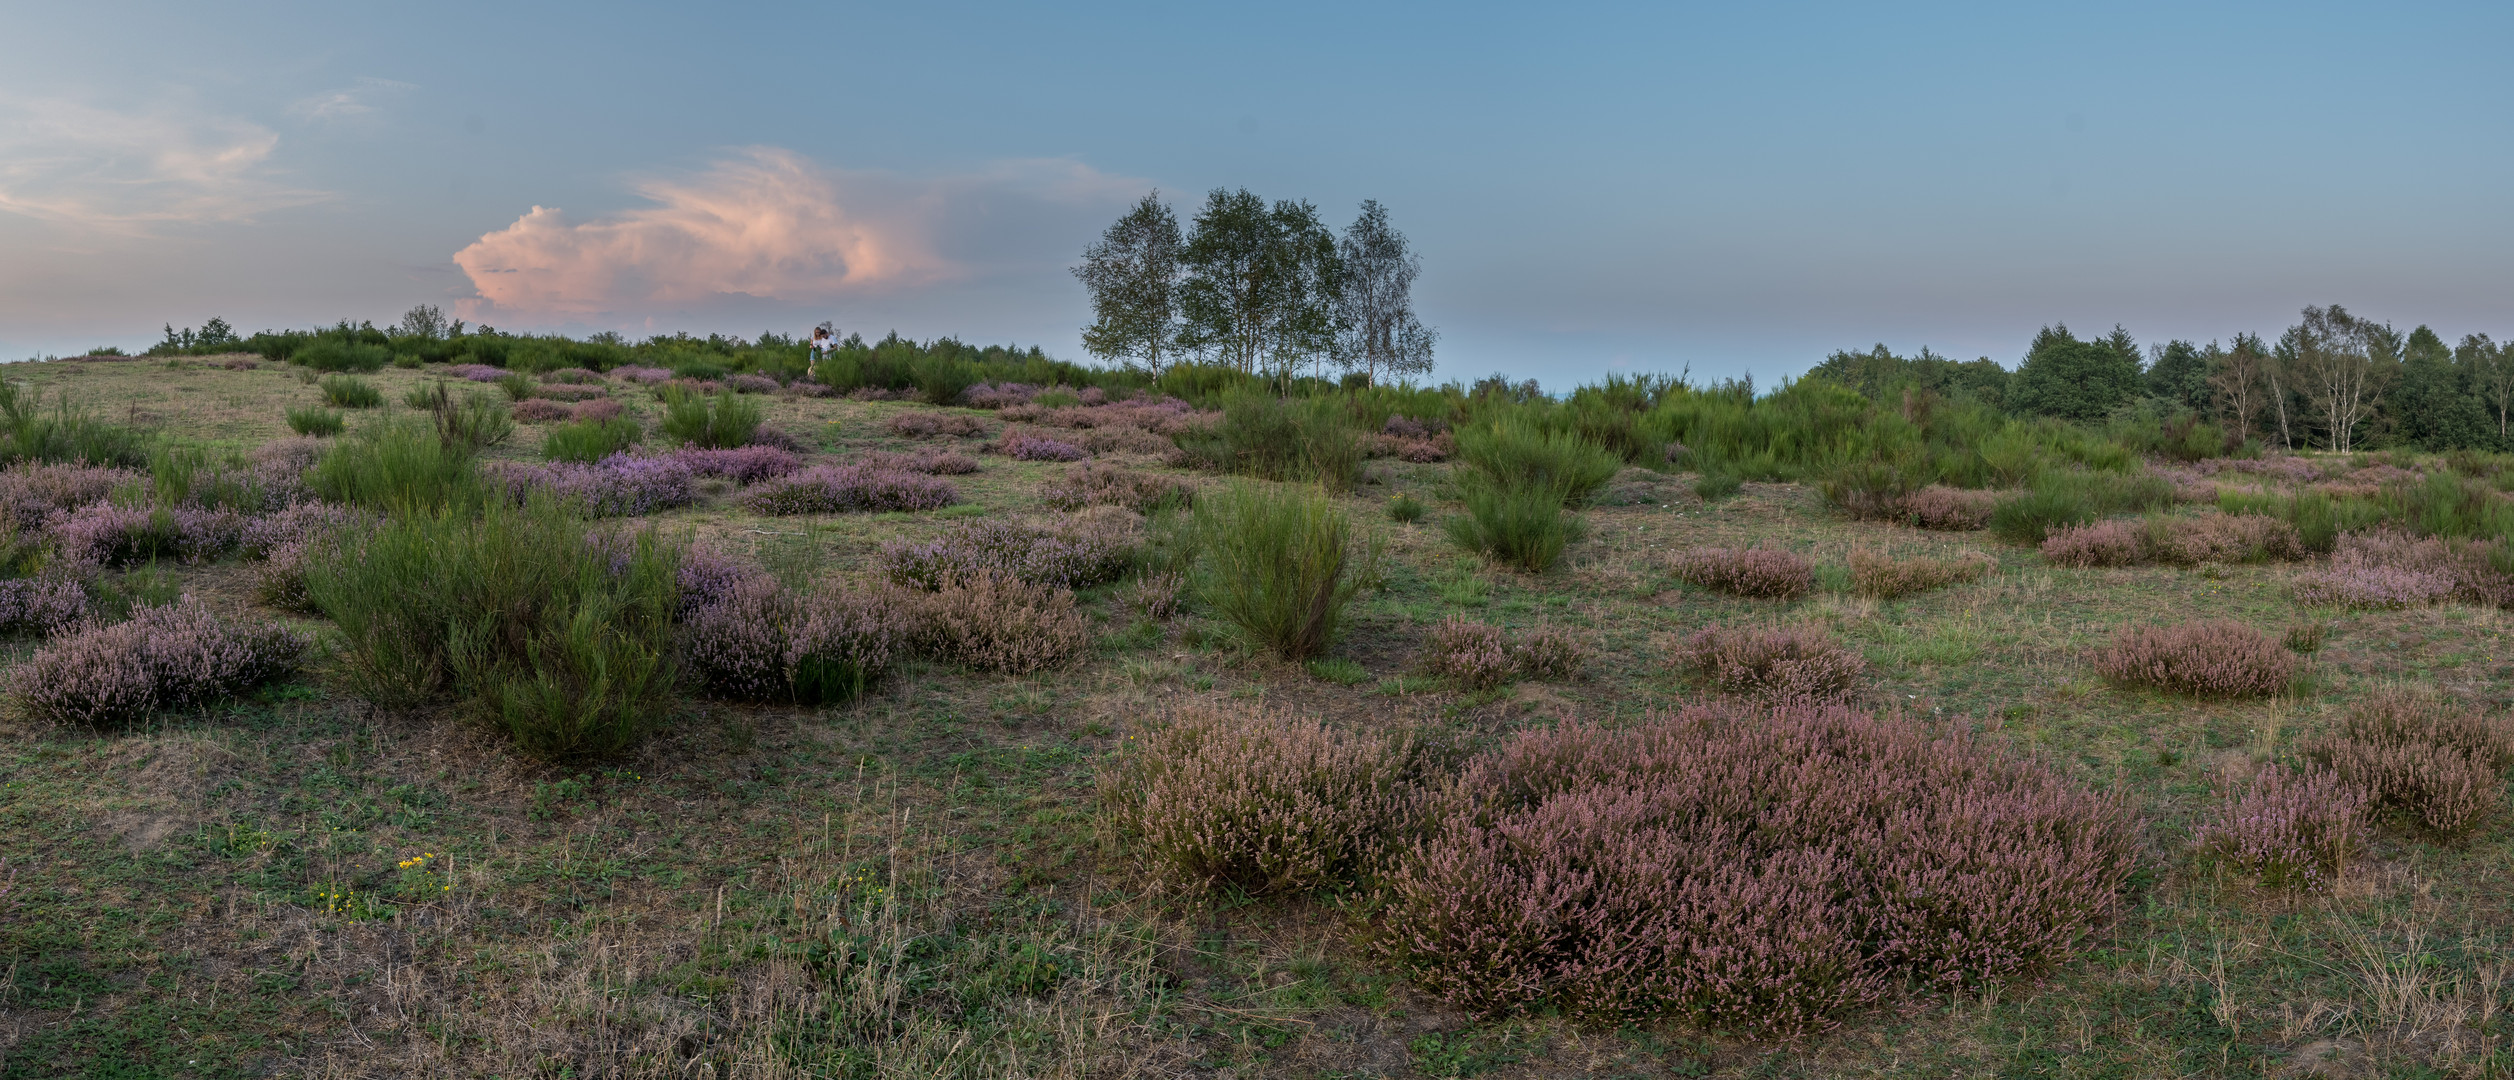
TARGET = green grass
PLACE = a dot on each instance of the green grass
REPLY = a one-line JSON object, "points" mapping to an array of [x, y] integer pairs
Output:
{"points": [[350, 392], [316, 421], [591, 440], [709, 420]]}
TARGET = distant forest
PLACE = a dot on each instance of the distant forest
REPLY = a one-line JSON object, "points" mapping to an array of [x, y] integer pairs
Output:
{"points": [[2332, 381]]}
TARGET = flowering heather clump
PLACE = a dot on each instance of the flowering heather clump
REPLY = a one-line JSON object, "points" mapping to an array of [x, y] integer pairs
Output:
{"points": [[753, 384], [837, 489], [564, 392], [1756, 572], [925, 423], [293, 525], [1126, 440], [930, 461], [573, 376], [1079, 555], [279, 580], [736, 645], [1796, 664], [691, 387], [2225, 538], [476, 372], [596, 411], [2293, 470], [171, 657], [31, 491], [707, 577], [643, 375], [2296, 831], [2384, 569], [1751, 870], [997, 395], [2101, 543], [758, 642], [769, 435], [1881, 575], [622, 485], [2438, 765], [1950, 509], [1471, 652], [103, 534], [1095, 484], [997, 622], [807, 388], [1023, 446], [2206, 658], [1258, 802], [40, 605], [740, 464], [1551, 653], [542, 410], [1156, 596]]}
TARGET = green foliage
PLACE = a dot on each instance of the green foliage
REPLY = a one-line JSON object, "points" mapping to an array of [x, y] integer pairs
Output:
{"points": [[1405, 508], [560, 642], [2076, 380], [1525, 527], [401, 465], [517, 385], [591, 440], [1280, 563], [333, 354], [63, 433], [192, 476], [314, 420], [350, 392], [1304, 439], [1515, 449], [715, 421], [1712, 487], [940, 379], [468, 424], [2074, 497]]}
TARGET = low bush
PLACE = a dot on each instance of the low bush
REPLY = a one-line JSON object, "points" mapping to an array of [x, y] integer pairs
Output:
{"points": [[1473, 653], [2179, 541], [1787, 665], [517, 385], [394, 465], [1551, 653], [715, 422], [1713, 487], [1405, 509], [317, 422], [934, 462], [1757, 871], [30, 492], [1527, 528], [1261, 803], [2059, 498], [333, 354], [1025, 446], [65, 433], [923, 424], [1280, 564], [599, 409], [165, 658], [350, 392], [1079, 554], [1515, 451], [1259, 434], [996, 622], [758, 642], [1950, 509], [1762, 573], [1094, 484], [1876, 490], [106, 535], [541, 411], [621, 485], [840, 489], [741, 464], [2102, 543], [2208, 658], [2291, 830], [40, 605], [466, 424], [1156, 595], [1883, 575], [2384, 569], [2439, 766], [589, 441]]}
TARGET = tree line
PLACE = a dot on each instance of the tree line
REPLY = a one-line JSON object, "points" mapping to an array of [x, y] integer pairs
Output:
{"points": [[1266, 290], [2333, 381]]}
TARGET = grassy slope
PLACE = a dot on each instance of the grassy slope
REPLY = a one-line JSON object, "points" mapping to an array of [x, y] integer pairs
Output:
{"points": [[912, 883]]}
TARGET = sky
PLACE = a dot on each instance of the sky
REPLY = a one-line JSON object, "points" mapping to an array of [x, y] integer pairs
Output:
{"points": [[1724, 189]]}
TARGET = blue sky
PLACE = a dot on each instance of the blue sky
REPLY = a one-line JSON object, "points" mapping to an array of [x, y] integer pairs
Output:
{"points": [[1727, 188]]}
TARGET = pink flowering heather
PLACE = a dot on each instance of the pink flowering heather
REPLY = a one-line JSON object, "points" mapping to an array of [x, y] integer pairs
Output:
{"points": [[1551, 653], [573, 376], [541, 411], [1095, 484], [294, 525], [740, 464], [2207, 658], [1789, 665], [1753, 572], [736, 645], [927, 423], [622, 485], [753, 384], [31, 491], [645, 375], [2101, 543], [997, 395], [565, 392], [597, 410], [103, 534], [1759, 871], [1256, 801], [997, 622], [2387, 569], [1887, 576], [1024, 446], [1070, 558], [1473, 653], [1950, 509], [40, 605], [2436, 764], [707, 576], [836, 489], [2292, 830], [771, 435], [172, 657]]}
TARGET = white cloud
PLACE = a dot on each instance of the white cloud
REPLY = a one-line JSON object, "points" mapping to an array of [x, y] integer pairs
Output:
{"points": [[349, 103], [768, 223], [110, 171]]}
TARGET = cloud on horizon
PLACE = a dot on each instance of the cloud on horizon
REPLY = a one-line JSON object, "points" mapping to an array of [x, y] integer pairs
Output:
{"points": [[357, 101], [103, 171], [766, 223]]}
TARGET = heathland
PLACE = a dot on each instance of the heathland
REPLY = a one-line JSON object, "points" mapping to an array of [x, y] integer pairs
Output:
{"points": [[446, 704]]}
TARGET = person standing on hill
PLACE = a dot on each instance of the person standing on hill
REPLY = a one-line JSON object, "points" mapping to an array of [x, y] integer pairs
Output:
{"points": [[821, 341]]}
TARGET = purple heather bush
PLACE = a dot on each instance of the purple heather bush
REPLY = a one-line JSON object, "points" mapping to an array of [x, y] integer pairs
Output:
{"points": [[1257, 801], [1551, 653], [171, 657], [40, 605], [753, 384], [622, 485], [476, 372], [2437, 764], [1024, 446], [31, 491], [2292, 830], [105, 535], [1789, 665], [1760, 871], [735, 645], [573, 376], [1473, 653], [294, 525], [707, 576], [645, 375], [540, 410], [1950, 509], [935, 462], [1095, 484], [1753, 572], [740, 464], [836, 489], [1081, 554], [2387, 569], [997, 395], [996, 622], [2217, 658]]}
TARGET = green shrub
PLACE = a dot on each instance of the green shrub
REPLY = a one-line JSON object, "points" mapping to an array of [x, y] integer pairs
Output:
{"points": [[1712, 487], [716, 422], [517, 385], [395, 466], [315, 421], [1514, 450], [559, 641], [333, 354], [1405, 508], [1278, 563], [2074, 497], [65, 432], [467, 424], [591, 440], [1524, 527], [1304, 439], [940, 380], [350, 392]]}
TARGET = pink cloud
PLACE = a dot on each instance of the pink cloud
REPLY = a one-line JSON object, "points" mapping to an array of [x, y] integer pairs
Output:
{"points": [[767, 223]]}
